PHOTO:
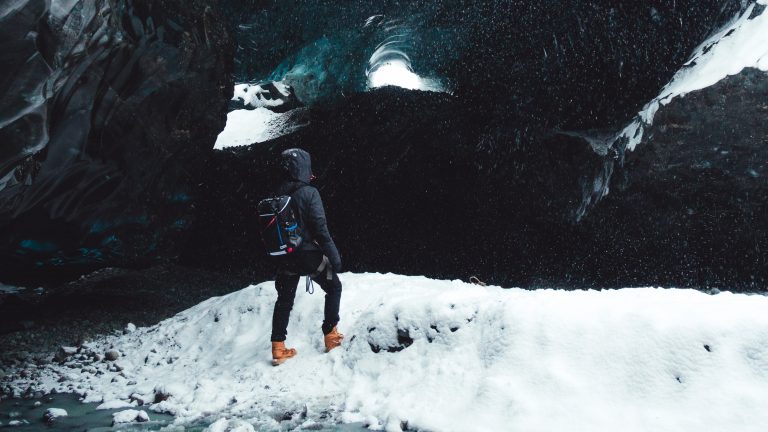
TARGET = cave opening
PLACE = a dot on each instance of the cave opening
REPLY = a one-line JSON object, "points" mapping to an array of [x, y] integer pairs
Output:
{"points": [[276, 102]]}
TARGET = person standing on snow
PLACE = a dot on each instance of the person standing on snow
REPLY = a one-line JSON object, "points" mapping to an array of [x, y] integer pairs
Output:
{"points": [[317, 257]]}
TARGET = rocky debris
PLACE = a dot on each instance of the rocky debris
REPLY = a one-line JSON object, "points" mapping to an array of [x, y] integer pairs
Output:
{"points": [[139, 399], [161, 394], [51, 414], [7, 391], [64, 353], [60, 321], [129, 416], [90, 369], [84, 362], [130, 328], [112, 355]]}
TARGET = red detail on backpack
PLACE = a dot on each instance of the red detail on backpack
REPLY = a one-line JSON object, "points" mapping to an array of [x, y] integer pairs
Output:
{"points": [[271, 222]]}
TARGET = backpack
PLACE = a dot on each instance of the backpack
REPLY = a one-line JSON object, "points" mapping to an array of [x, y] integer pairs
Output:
{"points": [[280, 227]]}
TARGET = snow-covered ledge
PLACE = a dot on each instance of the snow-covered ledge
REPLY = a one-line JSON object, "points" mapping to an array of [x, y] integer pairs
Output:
{"points": [[741, 44], [450, 356], [258, 123], [246, 127]]}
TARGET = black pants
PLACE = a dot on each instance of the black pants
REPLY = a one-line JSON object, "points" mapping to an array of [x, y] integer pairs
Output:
{"points": [[290, 270]]}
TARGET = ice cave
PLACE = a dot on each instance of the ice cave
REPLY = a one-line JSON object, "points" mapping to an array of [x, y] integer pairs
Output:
{"points": [[551, 215]]}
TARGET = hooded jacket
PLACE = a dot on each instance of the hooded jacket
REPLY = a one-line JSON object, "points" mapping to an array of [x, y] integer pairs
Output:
{"points": [[306, 198]]}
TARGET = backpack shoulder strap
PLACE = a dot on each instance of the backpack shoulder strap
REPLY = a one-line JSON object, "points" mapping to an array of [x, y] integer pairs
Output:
{"points": [[297, 188]]}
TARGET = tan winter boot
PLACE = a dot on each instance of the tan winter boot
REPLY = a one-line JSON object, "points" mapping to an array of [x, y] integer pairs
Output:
{"points": [[280, 353], [333, 339]]}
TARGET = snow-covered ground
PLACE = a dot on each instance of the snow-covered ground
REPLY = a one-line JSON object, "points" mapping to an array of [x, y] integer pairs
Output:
{"points": [[450, 356], [743, 43]]}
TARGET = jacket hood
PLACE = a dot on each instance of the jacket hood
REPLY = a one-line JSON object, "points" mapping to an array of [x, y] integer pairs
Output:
{"points": [[298, 164]]}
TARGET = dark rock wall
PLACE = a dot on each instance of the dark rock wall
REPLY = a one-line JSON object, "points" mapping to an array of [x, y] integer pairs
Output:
{"points": [[572, 64], [689, 205], [126, 99]]}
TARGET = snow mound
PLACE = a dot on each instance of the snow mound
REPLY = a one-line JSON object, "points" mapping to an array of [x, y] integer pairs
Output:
{"points": [[115, 404], [450, 356], [741, 44], [54, 413], [245, 127], [130, 416]]}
